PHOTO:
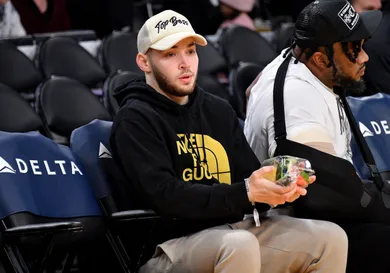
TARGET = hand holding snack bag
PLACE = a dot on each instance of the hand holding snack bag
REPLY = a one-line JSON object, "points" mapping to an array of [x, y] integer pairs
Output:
{"points": [[289, 169]]}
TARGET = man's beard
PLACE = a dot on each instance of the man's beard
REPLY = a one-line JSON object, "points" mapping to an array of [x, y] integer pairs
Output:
{"points": [[169, 88], [352, 86]]}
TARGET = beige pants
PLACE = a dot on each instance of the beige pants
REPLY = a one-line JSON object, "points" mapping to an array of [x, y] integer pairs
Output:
{"points": [[280, 245]]}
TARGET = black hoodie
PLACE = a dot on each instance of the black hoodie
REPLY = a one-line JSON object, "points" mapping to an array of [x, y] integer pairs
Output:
{"points": [[158, 144]]}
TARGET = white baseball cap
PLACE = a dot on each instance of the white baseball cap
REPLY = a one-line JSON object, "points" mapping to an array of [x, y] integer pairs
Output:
{"points": [[165, 29]]}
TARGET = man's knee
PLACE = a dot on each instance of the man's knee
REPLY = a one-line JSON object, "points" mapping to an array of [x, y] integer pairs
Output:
{"points": [[332, 235], [240, 252], [241, 243]]}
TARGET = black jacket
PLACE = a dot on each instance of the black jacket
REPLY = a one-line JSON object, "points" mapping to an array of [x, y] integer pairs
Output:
{"points": [[158, 144]]}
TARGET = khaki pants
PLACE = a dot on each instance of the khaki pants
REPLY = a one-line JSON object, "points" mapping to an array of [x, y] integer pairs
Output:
{"points": [[280, 245]]}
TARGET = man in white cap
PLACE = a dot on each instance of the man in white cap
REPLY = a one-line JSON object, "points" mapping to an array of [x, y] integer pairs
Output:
{"points": [[183, 153]]}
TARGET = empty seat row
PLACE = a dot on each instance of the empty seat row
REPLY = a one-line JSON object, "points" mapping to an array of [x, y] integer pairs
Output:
{"points": [[62, 105], [57, 203], [63, 56]]}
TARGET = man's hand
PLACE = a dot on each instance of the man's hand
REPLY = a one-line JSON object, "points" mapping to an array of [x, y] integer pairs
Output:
{"points": [[262, 190]]}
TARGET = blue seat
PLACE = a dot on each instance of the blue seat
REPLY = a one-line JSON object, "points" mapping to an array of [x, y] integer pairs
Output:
{"points": [[44, 198], [91, 144], [372, 114]]}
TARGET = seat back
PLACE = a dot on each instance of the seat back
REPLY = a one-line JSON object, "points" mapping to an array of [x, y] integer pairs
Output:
{"points": [[91, 144], [118, 52], [43, 178], [210, 60], [43, 185], [65, 104], [283, 36], [240, 79], [240, 44], [211, 85], [112, 83], [63, 56], [16, 114], [17, 70], [373, 117]]}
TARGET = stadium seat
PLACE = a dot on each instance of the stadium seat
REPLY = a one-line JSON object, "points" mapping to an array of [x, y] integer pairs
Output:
{"points": [[372, 114], [77, 35], [283, 36], [210, 60], [63, 56], [240, 79], [91, 143], [17, 115], [142, 10], [240, 44], [47, 209], [118, 52], [211, 63], [18, 71], [111, 84], [65, 104], [211, 85]]}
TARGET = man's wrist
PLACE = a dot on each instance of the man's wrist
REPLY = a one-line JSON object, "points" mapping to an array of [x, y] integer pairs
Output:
{"points": [[250, 197]]}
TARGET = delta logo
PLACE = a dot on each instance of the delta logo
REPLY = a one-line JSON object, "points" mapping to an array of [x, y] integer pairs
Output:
{"points": [[39, 167], [104, 152], [374, 128]]}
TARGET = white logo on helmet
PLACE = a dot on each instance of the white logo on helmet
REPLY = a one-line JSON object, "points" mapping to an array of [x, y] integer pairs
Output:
{"points": [[349, 16]]}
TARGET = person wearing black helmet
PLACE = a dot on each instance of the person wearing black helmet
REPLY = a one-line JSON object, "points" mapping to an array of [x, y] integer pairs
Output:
{"points": [[326, 55], [326, 52]]}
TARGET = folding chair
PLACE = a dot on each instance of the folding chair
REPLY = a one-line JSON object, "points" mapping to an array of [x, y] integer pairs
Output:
{"points": [[47, 207], [372, 115], [91, 143], [65, 104], [17, 115]]}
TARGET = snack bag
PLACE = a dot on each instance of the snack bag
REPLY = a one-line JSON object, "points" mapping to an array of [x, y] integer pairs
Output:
{"points": [[288, 169]]}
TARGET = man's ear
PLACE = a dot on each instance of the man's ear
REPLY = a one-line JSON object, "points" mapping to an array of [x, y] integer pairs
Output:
{"points": [[143, 62], [321, 60]]}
